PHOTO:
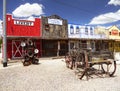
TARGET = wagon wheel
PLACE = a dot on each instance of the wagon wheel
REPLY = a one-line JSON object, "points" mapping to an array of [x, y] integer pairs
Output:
{"points": [[79, 65], [86, 66], [68, 60], [80, 61], [35, 61], [26, 63], [109, 67]]}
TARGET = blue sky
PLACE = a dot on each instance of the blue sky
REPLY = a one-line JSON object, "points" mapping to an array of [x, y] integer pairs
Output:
{"points": [[83, 12]]}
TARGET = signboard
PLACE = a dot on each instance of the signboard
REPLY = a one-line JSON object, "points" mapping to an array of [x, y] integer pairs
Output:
{"points": [[115, 32], [55, 21], [25, 23]]}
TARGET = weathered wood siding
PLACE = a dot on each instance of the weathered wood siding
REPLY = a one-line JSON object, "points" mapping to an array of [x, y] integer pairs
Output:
{"points": [[54, 31]]}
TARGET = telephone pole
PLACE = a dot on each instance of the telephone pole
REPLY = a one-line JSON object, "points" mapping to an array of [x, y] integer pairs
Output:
{"points": [[4, 35]]}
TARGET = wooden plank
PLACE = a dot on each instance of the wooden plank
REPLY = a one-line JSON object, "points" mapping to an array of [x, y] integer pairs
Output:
{"points": [[100, 61]]}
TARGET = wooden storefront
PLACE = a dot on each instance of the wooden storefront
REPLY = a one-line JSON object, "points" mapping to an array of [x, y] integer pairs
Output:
{"points": [[54, 36], [54, 47]]}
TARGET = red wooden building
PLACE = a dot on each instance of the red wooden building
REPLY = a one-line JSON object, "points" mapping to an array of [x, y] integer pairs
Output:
{"points": [[19, 30]]}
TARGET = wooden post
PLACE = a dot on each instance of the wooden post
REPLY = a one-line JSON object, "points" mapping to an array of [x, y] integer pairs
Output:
{"points": [[58, 49]]}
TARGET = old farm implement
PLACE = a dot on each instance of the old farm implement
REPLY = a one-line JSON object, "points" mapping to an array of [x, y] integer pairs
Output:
{"points": [[88, 63]]}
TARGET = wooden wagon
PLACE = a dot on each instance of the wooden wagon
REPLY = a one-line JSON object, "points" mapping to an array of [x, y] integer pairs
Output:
{"points": [[87, 63]]}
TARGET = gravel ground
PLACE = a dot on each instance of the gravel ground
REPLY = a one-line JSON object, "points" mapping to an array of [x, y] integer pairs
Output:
{"points": [[52, 75]]}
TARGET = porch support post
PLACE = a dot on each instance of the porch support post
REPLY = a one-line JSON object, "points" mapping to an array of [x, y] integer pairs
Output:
{"points": [[58, 48], [68, 45]]}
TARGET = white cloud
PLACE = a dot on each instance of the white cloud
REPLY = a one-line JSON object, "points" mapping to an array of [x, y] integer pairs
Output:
{"points": [[31, 18], [114, 2], [28, 10], [106, 18]]}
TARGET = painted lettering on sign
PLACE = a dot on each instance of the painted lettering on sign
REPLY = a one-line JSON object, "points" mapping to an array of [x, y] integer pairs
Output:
{"points": [[114, 32], [25, 23], [55, 21]]}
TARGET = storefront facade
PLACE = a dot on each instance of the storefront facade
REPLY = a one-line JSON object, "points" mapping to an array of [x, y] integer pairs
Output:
{"points": [[84, 37], [20, 30], [102, 43], [54, 36], [114, 44]]}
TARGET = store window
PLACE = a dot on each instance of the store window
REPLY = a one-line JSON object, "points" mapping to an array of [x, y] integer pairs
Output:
{"points": [[91, 31], [86, 30], [72, 45], [47, 27], [109, 33], [92, 44], [77, 30], [83, 44], [71, 30]]}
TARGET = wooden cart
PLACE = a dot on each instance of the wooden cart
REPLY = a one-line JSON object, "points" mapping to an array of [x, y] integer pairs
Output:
{"points": [[88, 63]]}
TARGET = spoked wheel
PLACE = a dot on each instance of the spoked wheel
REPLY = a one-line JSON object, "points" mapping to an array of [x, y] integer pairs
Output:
{"points": [[68, 60], [109, 67], [26, 63], [35, 61], [80, 61], [83, 65]]}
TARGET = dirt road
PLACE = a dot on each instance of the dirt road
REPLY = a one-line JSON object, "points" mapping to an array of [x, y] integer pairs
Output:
{"points": [[52, 75]]}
